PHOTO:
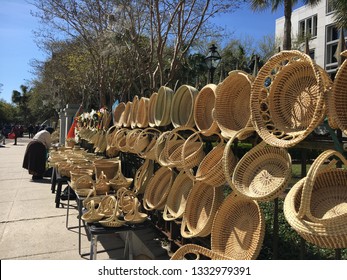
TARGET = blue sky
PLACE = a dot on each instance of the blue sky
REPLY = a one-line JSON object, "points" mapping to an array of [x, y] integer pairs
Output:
{"points": [[17, 46]]}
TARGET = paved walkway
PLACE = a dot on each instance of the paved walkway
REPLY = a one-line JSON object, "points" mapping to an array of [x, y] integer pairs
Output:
{"points": [[31, 227]]}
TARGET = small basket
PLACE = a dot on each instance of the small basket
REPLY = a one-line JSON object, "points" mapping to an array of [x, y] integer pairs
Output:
{"points": [[232, 109], [287, 99], [182, 107], [158, 188], [120, 181], [92, 215], [134, 216], [151, 108], [177, 197], [163, 106], [202, 204], [145, 143], [263, 173], [204, 107]]}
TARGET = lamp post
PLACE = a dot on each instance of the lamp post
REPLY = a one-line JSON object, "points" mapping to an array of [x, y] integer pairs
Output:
{"points": [[212, 61]]}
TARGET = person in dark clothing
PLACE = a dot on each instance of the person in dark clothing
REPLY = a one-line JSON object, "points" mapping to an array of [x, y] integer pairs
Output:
{"points": [[31, 131], [35, 156], [16, 132]]}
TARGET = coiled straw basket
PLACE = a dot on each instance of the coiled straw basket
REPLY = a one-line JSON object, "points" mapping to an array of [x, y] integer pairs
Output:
{"points": [[287, 99], [142, 112], [232, 109], [316, 206], [162, 108], [118, 114], [151, 108]]}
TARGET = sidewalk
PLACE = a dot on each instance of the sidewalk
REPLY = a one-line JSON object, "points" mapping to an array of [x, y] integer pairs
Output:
{"points": [[32, 228]]}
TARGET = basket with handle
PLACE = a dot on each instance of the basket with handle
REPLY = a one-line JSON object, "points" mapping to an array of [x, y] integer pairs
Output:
{"points": [[92, 215], [111, 151], [157, 190], [119, 139], [263, 173], [232, 109], [130, 140], [192, 152], [182, 107], [142, 176], [287, 99], [145, 143], [177, 197], [204, 107], [201, 207], [120, 181], [114, 220]]}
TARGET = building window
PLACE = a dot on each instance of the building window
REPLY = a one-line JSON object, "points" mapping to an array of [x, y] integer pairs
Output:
{"points": [[312, 53], [329, 7], [332, 39], [308, 27]]}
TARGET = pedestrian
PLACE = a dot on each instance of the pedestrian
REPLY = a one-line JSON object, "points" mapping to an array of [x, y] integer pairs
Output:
{"points": [[35, 156], [31, 131], [3, 133], [16, 132]]}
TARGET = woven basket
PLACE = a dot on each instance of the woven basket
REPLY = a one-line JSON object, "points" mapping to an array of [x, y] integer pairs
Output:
{"points": [[133, 112], [204, 110], [237, 232], [130, 140], [118, 114], [102, 185], [159, 146], [83, 182], [158, 189], [151, 108], [111, 151], [142, 176], [177, 197], [107, 205], [142, 113], [134, 216], [126, 116], [119, 140], [92, 215], [145, 143], [182, 107], [113, 221], [287, 99], [263, 173], [337, 111], [163, 106], [76, 173], [120, 181], [108, 166], [232, 109], [192, 152], [202, 204]]}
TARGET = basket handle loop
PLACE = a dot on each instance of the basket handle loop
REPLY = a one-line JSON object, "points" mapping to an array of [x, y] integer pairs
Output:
{"points": [[184, 228], [316, 168]]}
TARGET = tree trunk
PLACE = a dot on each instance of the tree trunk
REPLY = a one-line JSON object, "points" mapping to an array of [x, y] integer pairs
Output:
{"points": [[287, 39]]}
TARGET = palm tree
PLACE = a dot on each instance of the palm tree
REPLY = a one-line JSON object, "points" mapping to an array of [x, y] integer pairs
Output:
{"points": [[258, 5], [21, 99], [340, 12]]}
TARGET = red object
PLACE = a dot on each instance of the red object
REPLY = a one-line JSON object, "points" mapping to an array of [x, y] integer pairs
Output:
{"points": [[11, 135], [71, 133]]}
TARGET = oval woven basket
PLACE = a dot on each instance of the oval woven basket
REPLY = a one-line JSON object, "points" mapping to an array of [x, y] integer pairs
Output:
{"points": [[263, 173], [142, 176], [151, 108], [232, 109], [126, 117], [238, 229], [201, 207], [159, 146], [287, 99], [118, 114], [133, 112], [158, 189], [149, 136], [119, 141], [177, 197], [142, 113], [337, 111], [182, 107], [163, 106], [192, 152], [131, 140], [107, 166], [111, 150], [204, 110]]}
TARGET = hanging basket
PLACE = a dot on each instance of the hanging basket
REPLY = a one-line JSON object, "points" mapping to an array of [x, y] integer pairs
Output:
{"points": [[204, 107], [192, 152], [158, 188], [263, 173], [316, 206], [142, 176], [287, 99], [118, 114], [177, 197], [133, 112], [232, 109], [147, 139], [151, 108], [142, 113], [182, 108], [201, 207], [163, 106], [126, 116]]}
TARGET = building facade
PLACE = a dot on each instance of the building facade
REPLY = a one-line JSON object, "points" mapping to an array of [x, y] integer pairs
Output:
{"points": [[315, 23]]}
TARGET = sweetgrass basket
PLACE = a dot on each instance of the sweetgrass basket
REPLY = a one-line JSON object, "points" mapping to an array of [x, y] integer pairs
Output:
{"points": [[232, 109], [287, 99], [204, 107], [151, 108], [263, 173], [182, 107], [201, 207], [145, 143], [142, 113], [163, 106], [118, 114], [133, 112], [142, 176], [177, 197], [316, 206]]}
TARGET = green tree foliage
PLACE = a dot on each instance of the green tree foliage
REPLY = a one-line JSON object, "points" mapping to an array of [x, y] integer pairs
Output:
{"points": [[340, 12], [21, 99]]}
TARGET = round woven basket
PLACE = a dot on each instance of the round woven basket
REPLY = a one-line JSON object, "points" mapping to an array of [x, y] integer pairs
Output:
{"points": [[142, 176], [238, 229], [111, 151], [182, 108], [263, 173], [133, 112], [148, 137], [163, 106], [232, 109], [201, 207], [126, 116], [337, 100], [107, 166], [118, 114], [151, 108], [287, 99], [204, 110], [177, 197], [158, 189], [130, 140], [119, 140], [142, 112], [192, 152], [76, 173], [159, 146]]}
